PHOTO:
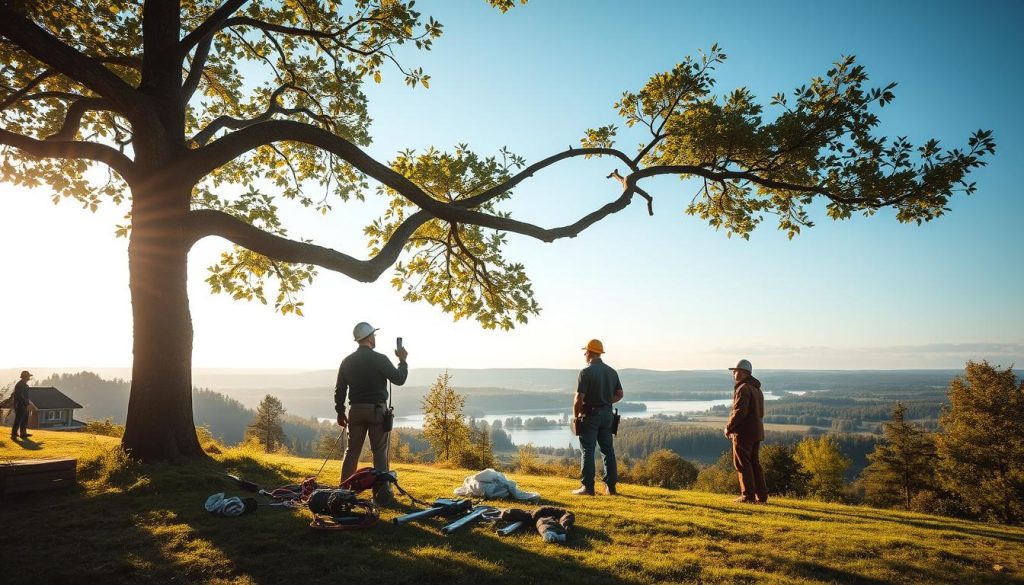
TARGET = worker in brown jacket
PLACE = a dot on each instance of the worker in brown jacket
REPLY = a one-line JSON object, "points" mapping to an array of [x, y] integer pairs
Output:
{"points": [[746, 429]]}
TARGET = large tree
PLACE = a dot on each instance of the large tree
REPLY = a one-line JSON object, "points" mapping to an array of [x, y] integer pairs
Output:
{"points": [[208, 114], [981, 446]]}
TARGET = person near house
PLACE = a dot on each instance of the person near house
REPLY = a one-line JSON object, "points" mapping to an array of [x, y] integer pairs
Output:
{"points": [[20, 400], [363, 379], [746, 429], [597, 388]]}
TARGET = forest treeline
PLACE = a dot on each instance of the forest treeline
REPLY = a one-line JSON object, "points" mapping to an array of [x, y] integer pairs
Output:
{"points": [[227, 419]]}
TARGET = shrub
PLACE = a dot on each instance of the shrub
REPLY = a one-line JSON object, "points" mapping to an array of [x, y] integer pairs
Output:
{"points": [[664, 468], [112, 466], [719, 478], [104, 428]]}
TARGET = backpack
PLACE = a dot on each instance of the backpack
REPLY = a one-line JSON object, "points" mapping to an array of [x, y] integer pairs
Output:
{"points": [[365, 478]]}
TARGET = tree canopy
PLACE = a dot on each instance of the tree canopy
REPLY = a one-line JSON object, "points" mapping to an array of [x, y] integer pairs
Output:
{"points": [[209, 115], [981, 447]]}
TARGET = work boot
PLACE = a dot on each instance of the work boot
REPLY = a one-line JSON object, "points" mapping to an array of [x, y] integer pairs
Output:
{"points": [[583, 491], [610, 490]]}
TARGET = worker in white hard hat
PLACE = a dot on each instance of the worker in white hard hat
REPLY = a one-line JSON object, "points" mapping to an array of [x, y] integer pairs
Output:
{"points": [[746, 429], [363, 379]]}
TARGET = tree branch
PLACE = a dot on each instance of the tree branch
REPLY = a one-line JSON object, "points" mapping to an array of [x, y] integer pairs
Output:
{"points": [[53, 52], [207, 222], [204, 160], [14, 97], [481, 198], [73, 117], [225, 121], [271, 27], [195, 69], [70, 150], [721, 176], [650, 145], [205, 30]]}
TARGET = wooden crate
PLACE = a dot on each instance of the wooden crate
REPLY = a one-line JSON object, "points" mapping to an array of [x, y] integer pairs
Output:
{"points": [[30, 475]]}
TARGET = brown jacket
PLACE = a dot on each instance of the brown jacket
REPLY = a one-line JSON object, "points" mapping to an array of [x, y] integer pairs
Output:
{"points": [[747, 417]]}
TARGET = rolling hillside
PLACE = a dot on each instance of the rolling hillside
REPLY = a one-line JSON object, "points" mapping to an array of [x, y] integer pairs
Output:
{"points": [[127, 523]]}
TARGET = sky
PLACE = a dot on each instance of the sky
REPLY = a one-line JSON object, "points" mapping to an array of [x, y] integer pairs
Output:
{"points": [[666, 292]]}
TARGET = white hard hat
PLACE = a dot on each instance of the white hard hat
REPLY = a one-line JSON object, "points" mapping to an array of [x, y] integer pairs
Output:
{"points": [[743, 365], [362, 331]]}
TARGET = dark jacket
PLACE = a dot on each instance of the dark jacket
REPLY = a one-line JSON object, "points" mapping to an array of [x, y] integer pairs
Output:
{"points": [[20, 395], [363, 378], [747, 417]]}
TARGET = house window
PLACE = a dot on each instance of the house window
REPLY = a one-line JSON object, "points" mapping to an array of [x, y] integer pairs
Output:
{"points": [[54, 415]]}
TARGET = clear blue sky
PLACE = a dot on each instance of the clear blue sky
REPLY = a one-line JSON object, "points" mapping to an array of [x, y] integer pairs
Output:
{"points": [[663, 292]]}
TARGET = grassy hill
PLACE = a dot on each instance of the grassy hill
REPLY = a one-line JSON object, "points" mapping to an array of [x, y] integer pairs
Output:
{"points": [[128, 523]]}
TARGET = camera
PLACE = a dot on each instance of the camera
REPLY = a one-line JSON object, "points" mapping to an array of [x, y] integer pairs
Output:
{"points": [[398, 343]]}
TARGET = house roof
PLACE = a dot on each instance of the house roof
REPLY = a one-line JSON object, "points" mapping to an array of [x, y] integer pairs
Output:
{"points": [[45, 398]]}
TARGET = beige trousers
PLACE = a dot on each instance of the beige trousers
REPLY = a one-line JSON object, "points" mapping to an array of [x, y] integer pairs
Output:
{"points": [[363, 420]]}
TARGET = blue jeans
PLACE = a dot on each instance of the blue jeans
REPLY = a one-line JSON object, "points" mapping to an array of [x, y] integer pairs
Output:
{"points": [[20, 421], [597, 430]]}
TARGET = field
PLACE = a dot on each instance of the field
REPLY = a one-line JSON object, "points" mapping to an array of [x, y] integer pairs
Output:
{"points": [[129, 523]]}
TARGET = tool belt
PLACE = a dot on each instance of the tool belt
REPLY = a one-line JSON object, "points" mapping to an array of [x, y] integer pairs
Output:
{"points": [[576, 424]]}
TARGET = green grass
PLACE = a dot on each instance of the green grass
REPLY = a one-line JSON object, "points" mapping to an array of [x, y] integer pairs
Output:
{"points": [[129, 523]]}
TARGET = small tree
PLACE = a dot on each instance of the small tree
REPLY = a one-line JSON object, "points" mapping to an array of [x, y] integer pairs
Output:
{"points": [[483, 448], [266, 427], [527, 460], [781, 471], [401, 452], [329, 443], [981, 448], [824, 465], [443, 424], [901, 465]]}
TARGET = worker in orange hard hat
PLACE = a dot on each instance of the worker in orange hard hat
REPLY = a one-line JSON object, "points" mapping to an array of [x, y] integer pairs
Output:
{"points": [[597, 388]]}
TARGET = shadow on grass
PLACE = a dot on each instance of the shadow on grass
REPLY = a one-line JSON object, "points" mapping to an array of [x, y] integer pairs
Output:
{"points": [[156, 530], [808, 569], [28, 444], [949, 525], [929, 572]]}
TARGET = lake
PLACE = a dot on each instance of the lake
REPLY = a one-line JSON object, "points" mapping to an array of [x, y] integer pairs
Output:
{"points": [[561, 436]]}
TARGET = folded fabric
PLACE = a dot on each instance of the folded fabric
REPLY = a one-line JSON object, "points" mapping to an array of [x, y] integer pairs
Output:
{"points": [[219, 505], [553, 523], [493, 484]]}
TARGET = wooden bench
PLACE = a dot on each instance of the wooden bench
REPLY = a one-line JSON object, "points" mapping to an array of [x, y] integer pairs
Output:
{"points": [[30, 475]]}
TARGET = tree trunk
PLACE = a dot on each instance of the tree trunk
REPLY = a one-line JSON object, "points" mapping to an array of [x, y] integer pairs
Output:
{"points": [[159, 425]]}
